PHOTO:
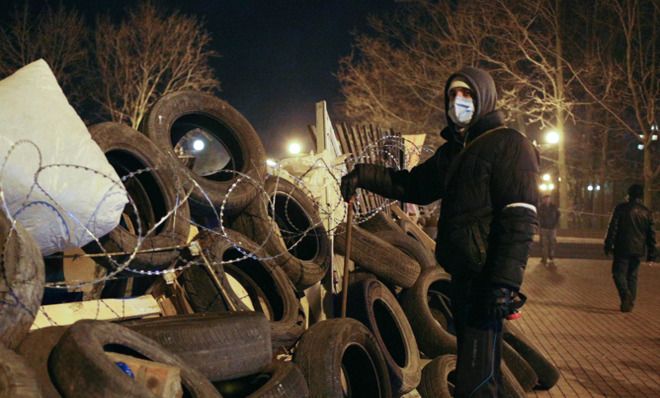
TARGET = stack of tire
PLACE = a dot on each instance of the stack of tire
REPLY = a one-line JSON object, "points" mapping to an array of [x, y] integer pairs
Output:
{"points": [[263, 235]]}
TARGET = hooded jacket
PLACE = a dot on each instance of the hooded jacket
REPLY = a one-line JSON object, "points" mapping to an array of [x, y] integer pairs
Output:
{"points": [[487, 180]]}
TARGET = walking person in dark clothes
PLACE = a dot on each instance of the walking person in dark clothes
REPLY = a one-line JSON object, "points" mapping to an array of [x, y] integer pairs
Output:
{"points": [[486, 175], [630, 236], [548, 220]]}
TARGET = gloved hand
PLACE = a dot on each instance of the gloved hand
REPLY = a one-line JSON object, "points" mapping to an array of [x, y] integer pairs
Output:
{"points": [[496, 303], [607, 250], [502, 300], [349, 183]]}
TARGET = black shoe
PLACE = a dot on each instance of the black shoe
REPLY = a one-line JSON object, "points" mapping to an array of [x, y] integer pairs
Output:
{"points": [[627, 306]]}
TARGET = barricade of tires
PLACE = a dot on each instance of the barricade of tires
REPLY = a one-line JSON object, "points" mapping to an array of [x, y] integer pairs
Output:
{"points": [[263, 240]]}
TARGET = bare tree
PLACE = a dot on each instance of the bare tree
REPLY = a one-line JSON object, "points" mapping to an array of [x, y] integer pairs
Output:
{"points": [[58, 35], [634, 55], [148, 55], [397, 73]]}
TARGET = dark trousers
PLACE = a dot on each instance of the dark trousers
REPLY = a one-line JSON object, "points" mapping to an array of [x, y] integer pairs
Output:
{"points": [[548, 238], [624, 272], [479, 342]]}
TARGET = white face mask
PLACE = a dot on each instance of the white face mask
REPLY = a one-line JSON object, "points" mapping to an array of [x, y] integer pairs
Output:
{"points": [[461, 110]]}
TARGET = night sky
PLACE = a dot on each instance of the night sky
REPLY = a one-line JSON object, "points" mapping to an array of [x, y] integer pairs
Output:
{"points": [[278, 58]]}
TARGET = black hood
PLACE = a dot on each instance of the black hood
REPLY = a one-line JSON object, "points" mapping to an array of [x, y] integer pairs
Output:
{"points": [[484, 94]]}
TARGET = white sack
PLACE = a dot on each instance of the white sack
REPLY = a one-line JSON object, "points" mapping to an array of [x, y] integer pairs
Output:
{"points": [[55, 180]]}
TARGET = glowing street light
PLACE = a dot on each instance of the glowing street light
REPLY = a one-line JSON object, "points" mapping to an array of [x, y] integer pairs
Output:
{"points": [[546, 177], [294, 148], [552, 137], [543, 187], [590, 187], [198, 145], [551, 187], [597, 187], [271, 163]]}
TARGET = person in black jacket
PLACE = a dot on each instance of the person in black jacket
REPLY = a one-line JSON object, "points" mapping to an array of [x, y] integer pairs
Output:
{"points": [[630, 236], [486, 175], [548, 220]]}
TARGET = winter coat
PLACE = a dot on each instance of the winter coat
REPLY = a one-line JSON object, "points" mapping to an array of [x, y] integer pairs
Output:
{"points": [[631, 232], [548, 216], [487, 181]]}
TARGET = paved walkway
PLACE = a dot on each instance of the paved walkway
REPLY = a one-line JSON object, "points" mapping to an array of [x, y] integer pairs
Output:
{"points": [[573, 316]]}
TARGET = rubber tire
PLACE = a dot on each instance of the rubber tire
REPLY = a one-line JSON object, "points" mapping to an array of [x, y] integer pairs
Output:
{"points": [[411, 247], [256, 224], [117, 137], [548, 374], [283, 380], [17, 380], [377, 256], [36, 349], [519, 367], [434, 383], [22, 278], [80, 367], [362, 299], [407, 228], [220, 346], [322, 349], [432, 338], [202, 293], [172, 107], [381, 222], [265, 278]]}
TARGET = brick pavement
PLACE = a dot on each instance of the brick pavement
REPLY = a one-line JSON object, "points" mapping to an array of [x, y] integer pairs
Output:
{"points": [[573, 316]]}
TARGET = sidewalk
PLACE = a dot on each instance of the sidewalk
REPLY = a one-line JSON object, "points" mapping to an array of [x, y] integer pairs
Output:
{"points": [[573, 316]]}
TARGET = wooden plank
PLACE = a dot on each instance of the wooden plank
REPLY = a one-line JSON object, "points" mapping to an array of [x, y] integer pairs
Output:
{"points": [[69, 313], [376, 156], [340, 132]]}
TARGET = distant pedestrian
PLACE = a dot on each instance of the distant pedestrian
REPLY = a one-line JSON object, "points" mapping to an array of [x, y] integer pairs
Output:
{"points": [[630, 236], [548, 220]]}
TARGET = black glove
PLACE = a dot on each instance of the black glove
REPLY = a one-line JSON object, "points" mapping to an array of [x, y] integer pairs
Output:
{"points": [[607, 250], [496, 303], [349, 183]]}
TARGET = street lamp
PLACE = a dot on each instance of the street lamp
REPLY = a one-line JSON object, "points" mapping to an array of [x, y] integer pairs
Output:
{"points": [[198, 145], [552, 137], [546, 177], [294, 148]]}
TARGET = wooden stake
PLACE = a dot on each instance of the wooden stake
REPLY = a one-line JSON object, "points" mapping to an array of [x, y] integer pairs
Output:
{"points": [[344, 285]]}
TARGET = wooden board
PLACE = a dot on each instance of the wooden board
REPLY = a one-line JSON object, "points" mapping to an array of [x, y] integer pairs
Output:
{"points": [[69, 313]]}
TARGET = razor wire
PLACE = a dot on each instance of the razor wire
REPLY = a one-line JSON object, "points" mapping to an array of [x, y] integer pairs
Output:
{"points": [[388, 148]]}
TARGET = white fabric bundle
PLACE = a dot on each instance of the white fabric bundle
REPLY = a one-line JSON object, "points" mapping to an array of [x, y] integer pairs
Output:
{"points": [[55, 179]]}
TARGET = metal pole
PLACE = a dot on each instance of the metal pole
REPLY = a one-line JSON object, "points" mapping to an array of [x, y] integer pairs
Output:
{"points": [[344, 285]]}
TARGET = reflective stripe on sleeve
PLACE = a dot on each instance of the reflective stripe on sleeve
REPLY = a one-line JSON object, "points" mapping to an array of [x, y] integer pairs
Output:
{"points": [[521, 204]]}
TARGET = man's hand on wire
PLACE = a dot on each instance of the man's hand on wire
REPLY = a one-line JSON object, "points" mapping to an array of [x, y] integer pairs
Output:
{"points": [[349, 183]]}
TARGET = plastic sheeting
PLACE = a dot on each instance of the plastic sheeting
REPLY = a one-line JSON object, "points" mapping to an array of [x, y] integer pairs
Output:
{"points": [[54, 178]]}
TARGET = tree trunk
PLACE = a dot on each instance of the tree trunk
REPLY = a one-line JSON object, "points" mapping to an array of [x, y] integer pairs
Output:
{"points": [[564, 198], [602, 175], [647, 171]]}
